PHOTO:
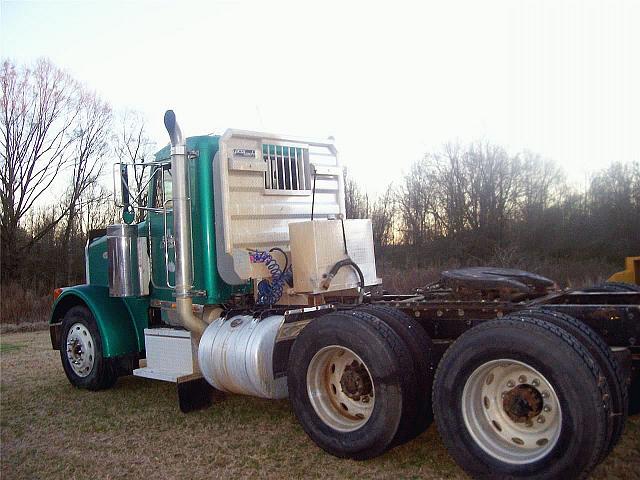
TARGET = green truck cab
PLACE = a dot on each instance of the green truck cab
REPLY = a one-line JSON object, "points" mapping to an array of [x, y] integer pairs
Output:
{"points": [[121, 320]]}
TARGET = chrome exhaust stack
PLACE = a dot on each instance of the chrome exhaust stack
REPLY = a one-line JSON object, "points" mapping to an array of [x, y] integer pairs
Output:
{"points": [[182, 227]]}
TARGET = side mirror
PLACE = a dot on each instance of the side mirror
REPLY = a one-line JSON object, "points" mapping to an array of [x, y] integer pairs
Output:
{"points": [[128, 213]]}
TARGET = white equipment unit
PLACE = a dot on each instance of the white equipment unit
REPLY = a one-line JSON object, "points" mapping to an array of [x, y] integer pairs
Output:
{"points": [[316, 246], [170, 355], [263, 182]]}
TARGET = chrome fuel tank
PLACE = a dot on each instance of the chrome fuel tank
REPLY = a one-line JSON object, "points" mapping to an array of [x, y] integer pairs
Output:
{"points": [[236, 355]]}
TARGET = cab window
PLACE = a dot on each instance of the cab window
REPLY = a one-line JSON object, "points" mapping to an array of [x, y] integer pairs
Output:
{"points": [[163, 189]]}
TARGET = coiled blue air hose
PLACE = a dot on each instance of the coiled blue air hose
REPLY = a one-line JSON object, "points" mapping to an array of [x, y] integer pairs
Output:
{"points": [[269, 292]]}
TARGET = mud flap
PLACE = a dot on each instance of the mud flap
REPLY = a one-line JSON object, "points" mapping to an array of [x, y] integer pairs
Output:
{"points": [[196, 394]]}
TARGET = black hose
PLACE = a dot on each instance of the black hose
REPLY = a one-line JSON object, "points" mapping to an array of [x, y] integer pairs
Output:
{"points": [[344, 237], [286, 259], [334, 270], [313, 194]]}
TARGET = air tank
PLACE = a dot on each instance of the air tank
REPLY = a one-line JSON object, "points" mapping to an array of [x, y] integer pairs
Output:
{"points": [[236, 355]]}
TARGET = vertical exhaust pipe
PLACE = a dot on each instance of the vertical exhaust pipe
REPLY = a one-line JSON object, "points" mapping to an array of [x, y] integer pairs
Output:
{"points": [[182, 227]]}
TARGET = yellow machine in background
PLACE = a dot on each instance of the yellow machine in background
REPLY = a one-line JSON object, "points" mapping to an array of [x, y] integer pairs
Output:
{"points": [[631, 273]]}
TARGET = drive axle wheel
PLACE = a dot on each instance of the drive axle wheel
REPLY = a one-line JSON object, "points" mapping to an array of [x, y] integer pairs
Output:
{"points": [[340, 388], [512, 411], [520, 397], [419, 413], [610, 368], [346, 384]]}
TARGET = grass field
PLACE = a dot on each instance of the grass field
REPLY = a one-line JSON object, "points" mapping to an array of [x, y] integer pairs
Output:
{"points": [[51, 430]]}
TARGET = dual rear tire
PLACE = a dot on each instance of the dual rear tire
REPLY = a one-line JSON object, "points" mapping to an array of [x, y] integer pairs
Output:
{"points": [[536, 394], [357, 384], [532, 395]]}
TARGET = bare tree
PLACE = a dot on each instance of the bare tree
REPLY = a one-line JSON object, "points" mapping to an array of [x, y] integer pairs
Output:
{"points": [[97, 209], [383, 215], [91, 145], [356, 202], [492, 175], [38, 110], [418, 204], [614, 210], [541, 184], [132, 145]]}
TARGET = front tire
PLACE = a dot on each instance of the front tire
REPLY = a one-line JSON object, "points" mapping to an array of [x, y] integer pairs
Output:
{"points": [[520, 397], [81, 352]]}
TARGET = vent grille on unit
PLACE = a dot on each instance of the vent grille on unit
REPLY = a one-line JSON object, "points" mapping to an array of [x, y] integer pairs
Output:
{"points": [[287, 167]]}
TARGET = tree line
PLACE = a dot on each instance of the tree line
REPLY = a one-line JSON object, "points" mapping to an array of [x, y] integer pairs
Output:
{"points": [[465, 203], [462, 204], [58, 140]]}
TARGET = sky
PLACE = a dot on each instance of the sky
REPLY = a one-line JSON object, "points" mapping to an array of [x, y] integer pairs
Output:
{"points": [[389, 81]]}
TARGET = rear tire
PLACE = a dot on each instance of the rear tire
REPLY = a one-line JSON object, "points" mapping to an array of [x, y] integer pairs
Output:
{"points": [[357, 413], [608, 364], [421, 350], [496, 422], [81, 351], [409, 377]]}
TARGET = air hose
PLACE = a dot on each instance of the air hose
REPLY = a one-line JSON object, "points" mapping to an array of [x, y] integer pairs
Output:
{"points": [[269, 292]]}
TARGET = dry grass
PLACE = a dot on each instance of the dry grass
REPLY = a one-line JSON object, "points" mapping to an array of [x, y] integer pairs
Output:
{"points": [[19, 306], [52, 430]]}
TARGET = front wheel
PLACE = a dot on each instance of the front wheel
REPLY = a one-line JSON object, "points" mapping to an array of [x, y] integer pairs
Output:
{"points": [[81, 352]]}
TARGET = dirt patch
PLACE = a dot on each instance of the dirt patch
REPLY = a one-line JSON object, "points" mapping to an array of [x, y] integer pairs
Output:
{"points": [[51, 430]]}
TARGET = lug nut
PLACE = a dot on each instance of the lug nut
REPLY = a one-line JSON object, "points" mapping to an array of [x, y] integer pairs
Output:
{"points": [[522, 379], [540, 419], [511, 384], [547, 408], [535, 382], [545, 394]]}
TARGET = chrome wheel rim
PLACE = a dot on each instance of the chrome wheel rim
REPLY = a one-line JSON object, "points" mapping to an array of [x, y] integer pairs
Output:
{"points": [[340, 388], [512, 411], [80, 349]]}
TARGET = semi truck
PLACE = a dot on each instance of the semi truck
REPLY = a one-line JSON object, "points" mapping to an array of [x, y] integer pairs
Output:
{"points": [[243, 276]]}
